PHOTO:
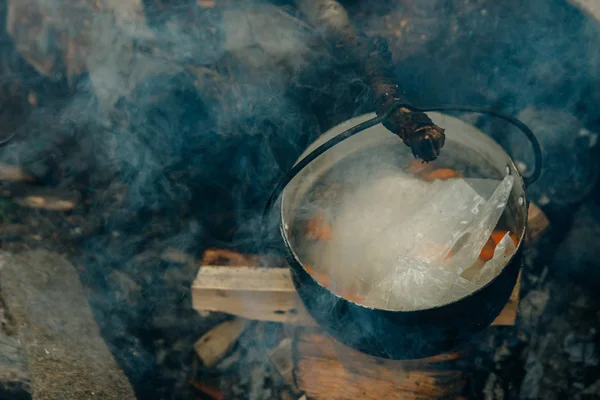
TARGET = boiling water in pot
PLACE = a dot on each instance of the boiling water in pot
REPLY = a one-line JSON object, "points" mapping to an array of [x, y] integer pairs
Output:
{"points": [[388, 232]]}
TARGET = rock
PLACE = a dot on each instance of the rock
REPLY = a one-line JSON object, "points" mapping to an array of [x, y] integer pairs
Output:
{"points": [[126, 289], [12, 173], [579, 253], [532, 306], [13, 231], [492, 389], [502, 352], [67, 356], [581, 350], [593, 390], [531, 383], [14, 375]]}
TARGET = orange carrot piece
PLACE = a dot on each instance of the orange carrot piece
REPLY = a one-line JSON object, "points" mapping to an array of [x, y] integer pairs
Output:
{"points": [[442, 174], [498, 235], [450, 255], [515, 239], [318, 227], [487, 253]]}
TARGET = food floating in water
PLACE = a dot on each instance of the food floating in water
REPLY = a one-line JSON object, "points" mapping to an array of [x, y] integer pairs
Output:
{"points": [[409, 241], [429, 173], [318, 226], [487, 253]]}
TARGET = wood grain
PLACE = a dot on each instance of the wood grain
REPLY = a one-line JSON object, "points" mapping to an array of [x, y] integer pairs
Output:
{"points": [[537, 223], [326, 369], [265, 294], [214, 344]]}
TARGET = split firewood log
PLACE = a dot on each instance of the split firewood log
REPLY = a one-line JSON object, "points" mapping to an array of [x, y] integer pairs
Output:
{"points": [[327, 370], [214, 345], [99, 38], [537, 223], [40, 197], [46, 202], [12, 173]]}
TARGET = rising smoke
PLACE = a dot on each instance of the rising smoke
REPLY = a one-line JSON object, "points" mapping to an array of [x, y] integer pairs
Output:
{"points": [[174, 121]]}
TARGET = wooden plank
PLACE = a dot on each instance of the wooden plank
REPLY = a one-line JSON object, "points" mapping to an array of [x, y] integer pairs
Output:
{"points": [[66, 354], [268, 294], [265, 294], [326, 369]]}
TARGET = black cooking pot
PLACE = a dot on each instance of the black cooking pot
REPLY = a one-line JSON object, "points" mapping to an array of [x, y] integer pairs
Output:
{"points": [[397, 334]]}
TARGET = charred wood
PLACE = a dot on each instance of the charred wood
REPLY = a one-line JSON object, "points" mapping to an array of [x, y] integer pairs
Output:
{"points": [[374, 59]]}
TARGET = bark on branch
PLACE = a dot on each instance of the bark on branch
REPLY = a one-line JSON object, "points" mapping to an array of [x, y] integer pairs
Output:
{"points": [[373, 57]]}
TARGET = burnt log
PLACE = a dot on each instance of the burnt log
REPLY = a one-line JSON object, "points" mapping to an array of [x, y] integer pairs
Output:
{"points": [[374, 59], [327, 370]]}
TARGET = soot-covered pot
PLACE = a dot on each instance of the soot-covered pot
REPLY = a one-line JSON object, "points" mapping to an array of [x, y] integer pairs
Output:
{"points": [[391, 333]]}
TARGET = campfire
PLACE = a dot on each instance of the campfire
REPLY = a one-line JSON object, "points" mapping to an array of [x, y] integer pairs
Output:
{"points": [[313, 199]]}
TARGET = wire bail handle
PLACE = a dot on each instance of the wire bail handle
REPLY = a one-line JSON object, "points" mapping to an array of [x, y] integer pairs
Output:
{"points": [[537, 150]]}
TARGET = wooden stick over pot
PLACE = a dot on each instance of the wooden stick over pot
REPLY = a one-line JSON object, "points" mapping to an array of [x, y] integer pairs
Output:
{"points": [[372, 55]]}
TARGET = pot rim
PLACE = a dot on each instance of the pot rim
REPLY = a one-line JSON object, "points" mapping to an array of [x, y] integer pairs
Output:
{"points": [[518, 178]]}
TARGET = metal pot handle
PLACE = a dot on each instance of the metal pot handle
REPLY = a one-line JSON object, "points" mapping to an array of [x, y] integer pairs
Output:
{"points": [[379, 119]]}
